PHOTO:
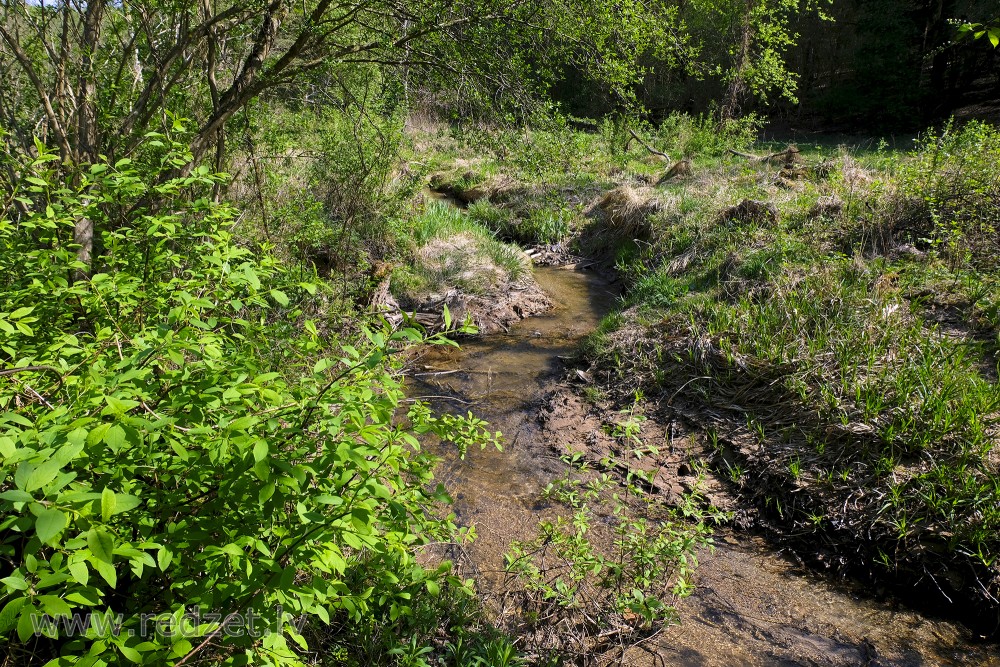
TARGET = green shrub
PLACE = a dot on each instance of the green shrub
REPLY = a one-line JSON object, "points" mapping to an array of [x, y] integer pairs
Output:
{"points": [[548, 148], [323, 187], [955, 173], [498, 219], [546, 227], [177, 440], [622, 585], [704, 136]]}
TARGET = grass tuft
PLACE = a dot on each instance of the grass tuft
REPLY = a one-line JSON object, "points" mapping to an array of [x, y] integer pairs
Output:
{"points": [[453, 251]]}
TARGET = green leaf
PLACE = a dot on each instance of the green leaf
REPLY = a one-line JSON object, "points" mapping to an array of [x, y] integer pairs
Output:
{"points": [[118, 406], [180, 648], [130, 653], [16, 496], [42, 475], [232, 550], [251, 276], [49, 524], [98, 433], [243, 423], [299, 639], [352, 540], [323, 614], [54, 605], [25, 625], [80, 572], [16, 418], [87, 597], [280, 297], [163, 557], [125, 502], [101, 544], [107, 504], [265, 493], [115, 437], [8, 615], [260, 450], [77, 437], [432, 587], [71, 449], [15, 581], [21, 312], [7, 447], [108, 573]]}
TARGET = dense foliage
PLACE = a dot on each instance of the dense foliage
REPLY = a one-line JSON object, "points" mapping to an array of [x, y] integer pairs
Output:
{"points": [[203, 424], [180, 440]]}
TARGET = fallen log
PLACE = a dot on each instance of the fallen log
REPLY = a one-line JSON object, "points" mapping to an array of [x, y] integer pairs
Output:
{"points": [[679, 170]]}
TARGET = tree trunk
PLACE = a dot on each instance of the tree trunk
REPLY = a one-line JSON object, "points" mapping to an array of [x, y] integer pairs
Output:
{"points": [[737, 84], [88, 141]]}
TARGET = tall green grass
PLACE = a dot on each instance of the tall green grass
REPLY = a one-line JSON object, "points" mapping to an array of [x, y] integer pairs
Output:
{"points": [[859, 383], [464, 266]]}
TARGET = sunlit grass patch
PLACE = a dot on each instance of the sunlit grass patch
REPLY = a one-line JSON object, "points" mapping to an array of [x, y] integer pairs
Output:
{"points": [[453, 251]]}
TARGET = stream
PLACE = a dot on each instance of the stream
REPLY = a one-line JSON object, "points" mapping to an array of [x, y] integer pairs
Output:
{"points": [[752, 605]]}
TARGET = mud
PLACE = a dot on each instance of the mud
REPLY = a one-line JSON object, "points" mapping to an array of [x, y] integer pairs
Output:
{"points": [[753, 605], [493, 312]]}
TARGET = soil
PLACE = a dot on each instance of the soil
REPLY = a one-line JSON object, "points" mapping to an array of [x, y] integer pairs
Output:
{"points": [[479, 290], [495, 311], [754, 604]]}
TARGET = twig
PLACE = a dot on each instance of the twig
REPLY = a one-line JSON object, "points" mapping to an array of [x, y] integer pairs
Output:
{"points": [[763, 158], [702, 377], [209, 638], [38, 396], [446, 398], [26, 369]]}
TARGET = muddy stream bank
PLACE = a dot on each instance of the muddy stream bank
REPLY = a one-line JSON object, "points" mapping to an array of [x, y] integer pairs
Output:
{"points": [[752, 606]]}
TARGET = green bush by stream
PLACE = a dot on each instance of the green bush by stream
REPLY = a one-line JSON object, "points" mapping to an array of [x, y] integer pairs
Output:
{"points": [[185, 450]]}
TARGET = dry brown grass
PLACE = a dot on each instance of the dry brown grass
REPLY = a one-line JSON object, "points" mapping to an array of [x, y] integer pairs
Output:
{"points": [[627, 211]]}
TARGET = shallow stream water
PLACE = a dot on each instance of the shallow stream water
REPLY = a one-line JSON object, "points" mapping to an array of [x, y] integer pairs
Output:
{"points": [[752, 606]]}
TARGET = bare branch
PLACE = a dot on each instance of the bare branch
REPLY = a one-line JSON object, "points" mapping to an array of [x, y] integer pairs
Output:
{"points": [[29, 69], [646, 146]]}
